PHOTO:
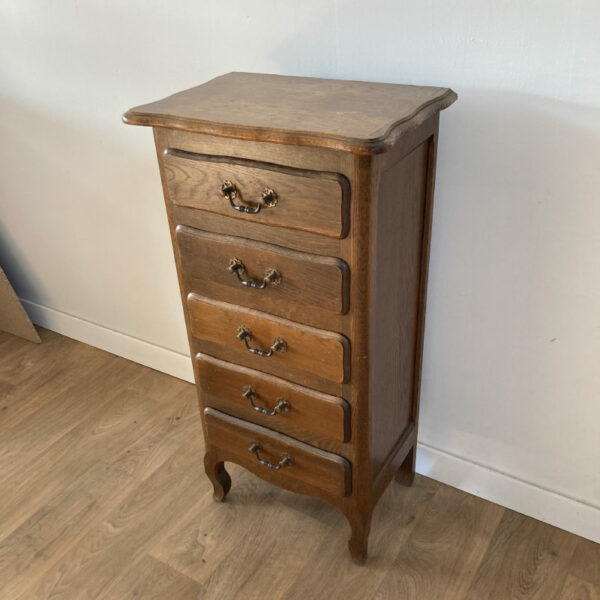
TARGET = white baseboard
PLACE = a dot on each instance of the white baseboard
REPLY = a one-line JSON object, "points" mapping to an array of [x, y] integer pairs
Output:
{"points": [[121, 344], [525, 497]]}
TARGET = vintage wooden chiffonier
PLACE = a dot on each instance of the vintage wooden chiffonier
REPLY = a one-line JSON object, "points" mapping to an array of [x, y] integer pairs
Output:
{"points": [[300, 214]]}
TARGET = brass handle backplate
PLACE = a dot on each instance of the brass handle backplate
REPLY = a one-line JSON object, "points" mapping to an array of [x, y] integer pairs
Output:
{"points": [[268, 198], [281, 405], [272, 276], [245, 335], [285, 460]]}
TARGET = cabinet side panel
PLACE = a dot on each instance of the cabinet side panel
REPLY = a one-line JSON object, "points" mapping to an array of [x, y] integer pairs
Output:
{"points": [[398, 252]]}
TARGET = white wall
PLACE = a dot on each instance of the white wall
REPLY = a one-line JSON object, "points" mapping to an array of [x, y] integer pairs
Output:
{"points": [[511, 386]]}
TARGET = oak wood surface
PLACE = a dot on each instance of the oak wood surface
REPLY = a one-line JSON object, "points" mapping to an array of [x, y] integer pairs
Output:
{"points": [[309, 466], [306, 200], [585, 563], [443, 541], [306, 159], [222, 386], [347, 115], [578, 589], [536, 551], [355, 326], [311, 350], [398, 248], [111, 505], [293, 239], [306, 281]]}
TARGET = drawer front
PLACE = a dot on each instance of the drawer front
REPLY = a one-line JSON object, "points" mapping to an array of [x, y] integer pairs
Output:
{"points": [[271, 401], [297, 462], [305, 200], [284, 344], [262, 276]]}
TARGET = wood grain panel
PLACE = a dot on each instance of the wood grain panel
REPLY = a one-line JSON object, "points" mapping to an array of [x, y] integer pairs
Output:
{"points": [[310, 350], [306, 281], [222, 385], [394, 317], [306, 200], [363, 117], [294, 239], [314, 467]]}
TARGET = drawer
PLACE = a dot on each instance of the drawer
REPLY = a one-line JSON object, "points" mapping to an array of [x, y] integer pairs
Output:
{"points": [[263, 276], [289, 459], [270, 343], [295, 198], [271, 401]]}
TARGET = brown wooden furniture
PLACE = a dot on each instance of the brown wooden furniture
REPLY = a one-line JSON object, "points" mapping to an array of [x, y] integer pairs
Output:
{"points": [[300, 213]]}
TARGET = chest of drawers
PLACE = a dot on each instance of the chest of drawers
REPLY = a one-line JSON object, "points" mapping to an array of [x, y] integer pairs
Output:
{"points": [[300, 213]]}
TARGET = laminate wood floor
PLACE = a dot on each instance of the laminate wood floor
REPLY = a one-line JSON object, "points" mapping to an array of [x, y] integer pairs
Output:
{"points": [[102, 496]]}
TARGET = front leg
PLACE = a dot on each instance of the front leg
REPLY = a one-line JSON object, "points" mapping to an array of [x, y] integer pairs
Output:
{"points": [[215, 470], [359, 539]]}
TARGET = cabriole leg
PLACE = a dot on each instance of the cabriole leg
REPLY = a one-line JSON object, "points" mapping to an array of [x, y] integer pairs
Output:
{"points": [[359, 539], [215, 470]]}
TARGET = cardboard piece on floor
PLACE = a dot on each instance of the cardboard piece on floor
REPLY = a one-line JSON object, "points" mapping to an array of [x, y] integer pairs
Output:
{"points": [[13, 318]]}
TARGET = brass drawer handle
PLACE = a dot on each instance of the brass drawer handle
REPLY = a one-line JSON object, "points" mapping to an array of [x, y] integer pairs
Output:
{"points": [[281, 406], [244, 334], [285, 460], [268, 198], [272, 276]]}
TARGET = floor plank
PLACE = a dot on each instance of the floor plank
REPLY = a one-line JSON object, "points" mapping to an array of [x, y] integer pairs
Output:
{"points": [[444, 550], [154, 445], [106, 551], [150, 579], [103, 497], [256, 567], [107, 426], [205, 536], [585, 563], [525, 559], [578, 589], [42, 373], [33, 549], [395, 518]]}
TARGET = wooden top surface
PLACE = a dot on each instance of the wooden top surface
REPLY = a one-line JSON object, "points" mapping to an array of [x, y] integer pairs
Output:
{"points": [[346, 115]]}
